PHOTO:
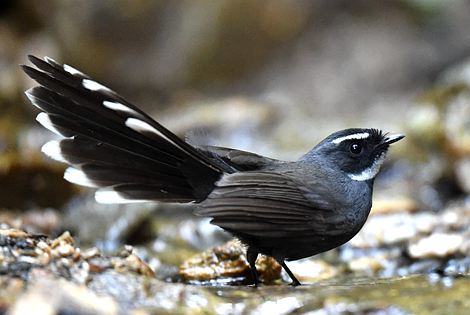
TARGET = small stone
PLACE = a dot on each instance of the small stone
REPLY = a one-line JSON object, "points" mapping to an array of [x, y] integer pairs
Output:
{"points": [[64, 262], [370, 265], [386, 229], [227, 263], [65, 238], [44, 246], [425, 222], [77, 254], [135, 264], [66, 250], [312, 270], [14, 233], [383, 206], [90, 253], [436, 245], [99, 264]]}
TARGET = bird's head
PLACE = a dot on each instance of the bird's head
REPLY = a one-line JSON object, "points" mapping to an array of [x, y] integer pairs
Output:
{"points": [[357, 152]]}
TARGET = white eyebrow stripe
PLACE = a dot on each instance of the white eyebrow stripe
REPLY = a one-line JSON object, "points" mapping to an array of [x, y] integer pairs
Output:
{"points": [[358, 136]]}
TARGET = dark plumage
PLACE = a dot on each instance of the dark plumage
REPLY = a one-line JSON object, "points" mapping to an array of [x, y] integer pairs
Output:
{"points": [[287, 210]]}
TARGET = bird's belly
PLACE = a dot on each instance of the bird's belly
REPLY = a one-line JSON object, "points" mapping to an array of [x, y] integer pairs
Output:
{"points": [[338, 232]]}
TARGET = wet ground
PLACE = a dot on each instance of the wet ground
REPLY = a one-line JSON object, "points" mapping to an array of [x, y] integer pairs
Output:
{"points": [[169, 273]]}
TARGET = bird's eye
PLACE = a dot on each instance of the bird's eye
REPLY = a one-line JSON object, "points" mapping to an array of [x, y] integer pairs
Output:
{"points": [[355, 148]]}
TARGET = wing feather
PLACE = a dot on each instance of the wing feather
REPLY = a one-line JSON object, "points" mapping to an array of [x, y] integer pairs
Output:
{"points": [[265, 204]]}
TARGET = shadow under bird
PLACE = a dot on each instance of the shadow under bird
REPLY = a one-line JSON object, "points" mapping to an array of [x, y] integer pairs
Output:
{"points": [[286, 210]]}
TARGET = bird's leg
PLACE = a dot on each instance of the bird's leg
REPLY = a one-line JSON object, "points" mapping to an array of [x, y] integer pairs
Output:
{"points": [[295, 282], [251, 256]]}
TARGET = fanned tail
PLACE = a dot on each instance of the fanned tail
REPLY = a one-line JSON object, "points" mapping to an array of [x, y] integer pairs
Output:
{"points": [[113, 145]]}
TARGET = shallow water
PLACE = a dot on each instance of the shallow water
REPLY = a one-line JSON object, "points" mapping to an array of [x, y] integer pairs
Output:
{"points": [[407, 295]]}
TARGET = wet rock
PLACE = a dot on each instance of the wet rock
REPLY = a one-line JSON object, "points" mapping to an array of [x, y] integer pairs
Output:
{"points": [[385, 206], [426, 266], [436, 245], [352, 308], [284, 305], [457, 267], [157, 297], [227, 264], [368, 265], [380, 247], [309, 270], [109, 226], [67, 298], [21, 253], [38, 221], [386, 229]]}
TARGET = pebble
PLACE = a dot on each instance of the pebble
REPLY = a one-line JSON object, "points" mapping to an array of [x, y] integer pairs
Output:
{"points": [[309, 270], [66, 250], [386, 206], [436, 245], [370, 265], [386, 230], [21, 252], [227, 263]]}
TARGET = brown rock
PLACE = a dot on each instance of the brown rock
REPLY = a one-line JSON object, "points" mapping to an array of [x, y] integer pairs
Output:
{"points": [[228, 263]]}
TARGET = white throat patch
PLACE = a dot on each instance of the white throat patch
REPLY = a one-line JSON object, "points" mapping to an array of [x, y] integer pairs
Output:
{"points": [[370, 172], [357, 136]]}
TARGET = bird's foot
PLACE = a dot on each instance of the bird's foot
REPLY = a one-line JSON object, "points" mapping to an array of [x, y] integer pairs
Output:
{"points": [[295, 283]]}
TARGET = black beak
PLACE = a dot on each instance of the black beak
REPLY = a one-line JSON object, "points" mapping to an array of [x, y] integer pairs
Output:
{"points": [[392, 138]]}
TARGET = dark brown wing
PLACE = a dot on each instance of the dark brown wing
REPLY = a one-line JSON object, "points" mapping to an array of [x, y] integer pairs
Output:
{"points": [[266, 204], [235, 160]]}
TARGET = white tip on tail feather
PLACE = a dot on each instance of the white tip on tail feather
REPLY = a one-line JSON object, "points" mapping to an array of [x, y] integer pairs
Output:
{"points": [[119, 107], [94, 86], [49, 60], [107, 196], [46, 122], [29, 94], [356, 136], [141, 126], [52, 150], [76, 176], [73, 71]]}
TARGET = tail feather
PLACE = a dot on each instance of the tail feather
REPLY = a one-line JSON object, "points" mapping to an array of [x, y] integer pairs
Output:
{"points": [[88, 93], [112, 144]]}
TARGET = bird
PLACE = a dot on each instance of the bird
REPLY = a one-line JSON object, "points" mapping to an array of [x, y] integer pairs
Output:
{"points": [[287, 210]]}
